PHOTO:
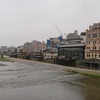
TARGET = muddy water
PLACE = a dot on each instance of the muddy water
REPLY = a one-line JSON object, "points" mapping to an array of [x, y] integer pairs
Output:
{"points": [[92, 88], [25, 80]]}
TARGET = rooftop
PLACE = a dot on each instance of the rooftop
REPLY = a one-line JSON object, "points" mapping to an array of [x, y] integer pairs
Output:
{"points": [[72, 45]]}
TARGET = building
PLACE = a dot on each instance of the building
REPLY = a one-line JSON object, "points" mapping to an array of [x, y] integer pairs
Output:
{"points": [[35, 45], [74, 38], [71, 52], [50, 55], [53, 42], [12, 51], [29, 48], [19, 49], [92, 48], [3, 49], [26, 47], [43, 45], [83, 36], [73, 35]]}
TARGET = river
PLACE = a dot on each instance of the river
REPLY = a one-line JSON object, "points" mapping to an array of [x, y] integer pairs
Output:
{"points": [[29, 80]]}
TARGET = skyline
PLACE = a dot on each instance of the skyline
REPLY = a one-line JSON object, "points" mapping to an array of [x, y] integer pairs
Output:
{"points": [[27, 20]]}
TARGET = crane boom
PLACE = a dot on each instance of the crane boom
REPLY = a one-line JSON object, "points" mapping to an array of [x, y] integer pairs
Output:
{"points": [[58, 29]]}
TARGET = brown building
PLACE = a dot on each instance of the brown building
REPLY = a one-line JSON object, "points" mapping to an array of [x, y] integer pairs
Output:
{"points": [[92, 49]]}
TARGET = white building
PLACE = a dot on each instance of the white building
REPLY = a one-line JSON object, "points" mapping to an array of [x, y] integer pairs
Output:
{"points": [[50, 55]]}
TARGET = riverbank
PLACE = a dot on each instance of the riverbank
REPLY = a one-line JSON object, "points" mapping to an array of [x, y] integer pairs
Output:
{"points": [[6, 59], [82, 71]]}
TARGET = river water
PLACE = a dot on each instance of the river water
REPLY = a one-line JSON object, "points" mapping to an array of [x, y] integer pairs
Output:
{"points": [[27, 80]]}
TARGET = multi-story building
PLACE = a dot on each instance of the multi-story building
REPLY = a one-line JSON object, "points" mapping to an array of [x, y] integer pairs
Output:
{"points": [[35, 46], [3, 49], [71, 52], [53, 42], [92, 48], [29, 48], [73, 35], [12, 51], [26, 47], [75, 38], [20, 49]]}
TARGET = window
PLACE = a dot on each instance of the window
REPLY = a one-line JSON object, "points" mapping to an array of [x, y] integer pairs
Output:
{"points": [[88, 42], [94, 48], [99, 34], [87, 48], [88, 35], [94, 42], [87, 55], [94, 35], [95, 54]]}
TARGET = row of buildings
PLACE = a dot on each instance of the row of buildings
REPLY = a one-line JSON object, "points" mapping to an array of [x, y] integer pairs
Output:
{"points": [[84, 48], [74, 47], [90, 40]]}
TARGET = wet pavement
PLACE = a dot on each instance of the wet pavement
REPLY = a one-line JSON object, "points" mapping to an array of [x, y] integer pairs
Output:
{"points": [[29, 80]]}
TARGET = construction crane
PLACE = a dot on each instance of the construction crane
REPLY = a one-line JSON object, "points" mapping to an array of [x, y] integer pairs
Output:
{"points": [[58, 30], [65, 35]]}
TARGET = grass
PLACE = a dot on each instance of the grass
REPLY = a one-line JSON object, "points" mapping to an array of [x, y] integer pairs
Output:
{"points": [[6, 59], [90, 74], [84, 73]]}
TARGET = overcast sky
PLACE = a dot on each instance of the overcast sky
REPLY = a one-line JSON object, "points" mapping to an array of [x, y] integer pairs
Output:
{"points": [[27, 20]]}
